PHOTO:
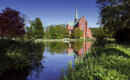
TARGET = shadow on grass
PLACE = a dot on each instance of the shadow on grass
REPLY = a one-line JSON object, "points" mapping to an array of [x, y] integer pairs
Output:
{"points": [[111, 51]]}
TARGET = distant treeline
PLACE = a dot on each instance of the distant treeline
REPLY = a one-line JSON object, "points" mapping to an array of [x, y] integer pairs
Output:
{"points": [[12, 26]]}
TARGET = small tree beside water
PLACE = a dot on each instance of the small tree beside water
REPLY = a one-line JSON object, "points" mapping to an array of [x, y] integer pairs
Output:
{"points": [[38, 29], [77, 33], [35, 30]]}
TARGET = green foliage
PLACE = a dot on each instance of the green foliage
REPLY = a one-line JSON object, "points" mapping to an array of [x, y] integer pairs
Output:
{"points": [[50, 32], [35, 30], [19, 54], [29, 33], [19, 60], [114, 16], [56, 32], [57, 47], [66, 33], [77, 33], [109, 63], [38, 31], [77, 45], [100, 36], [96, 32]]}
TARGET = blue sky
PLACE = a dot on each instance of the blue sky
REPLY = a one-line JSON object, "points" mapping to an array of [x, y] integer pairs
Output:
{"points": [[53, 12]]}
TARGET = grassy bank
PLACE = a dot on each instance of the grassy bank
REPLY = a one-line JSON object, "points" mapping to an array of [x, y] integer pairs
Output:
{"points": [[63, 40], [109, 63]]}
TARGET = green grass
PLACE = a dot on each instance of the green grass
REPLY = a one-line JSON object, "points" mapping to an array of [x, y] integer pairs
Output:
{"points": [[63, 40], [123, 48], [109, 63]]}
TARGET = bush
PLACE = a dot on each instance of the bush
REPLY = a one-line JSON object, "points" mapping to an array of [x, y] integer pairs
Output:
{"points": [[77, 33]]}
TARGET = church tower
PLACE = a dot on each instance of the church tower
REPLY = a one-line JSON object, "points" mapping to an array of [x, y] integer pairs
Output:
{"points": [[80, 23], [76, 16]]}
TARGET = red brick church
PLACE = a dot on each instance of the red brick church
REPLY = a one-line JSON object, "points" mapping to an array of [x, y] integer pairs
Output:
{"points": [[82, 24]]}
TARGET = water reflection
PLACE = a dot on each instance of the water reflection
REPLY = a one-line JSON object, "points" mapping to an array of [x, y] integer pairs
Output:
{"points": [[71, 48], [56, 47], [78, 48], [38, 61], [18, 59]]}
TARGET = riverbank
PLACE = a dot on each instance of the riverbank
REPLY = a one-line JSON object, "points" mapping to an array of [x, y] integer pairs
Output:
{"points": [[18, 54], [109, 63], [27, 60], [64, 40]]}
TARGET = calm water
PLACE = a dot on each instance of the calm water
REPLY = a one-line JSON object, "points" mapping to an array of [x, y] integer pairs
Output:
{"points": [[52, 59]]}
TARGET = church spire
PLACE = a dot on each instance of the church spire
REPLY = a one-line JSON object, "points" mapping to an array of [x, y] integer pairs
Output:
{"points": [[76, 15]]}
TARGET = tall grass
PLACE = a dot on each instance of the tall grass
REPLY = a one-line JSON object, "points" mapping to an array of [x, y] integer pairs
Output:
{"points": [[109, 63]]}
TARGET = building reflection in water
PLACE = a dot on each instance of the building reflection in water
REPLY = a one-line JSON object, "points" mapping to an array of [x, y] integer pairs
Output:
{"points": [[80, 50]]}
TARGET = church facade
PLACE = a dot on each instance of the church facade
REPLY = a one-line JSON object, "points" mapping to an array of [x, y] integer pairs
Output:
{"points": [[82, 24]]}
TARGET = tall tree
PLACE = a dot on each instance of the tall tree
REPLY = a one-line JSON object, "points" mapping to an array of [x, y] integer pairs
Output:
{"points": [[29, 33], [115, 16], [50, 32], [66, 33], [11, 23], [38, 29]]}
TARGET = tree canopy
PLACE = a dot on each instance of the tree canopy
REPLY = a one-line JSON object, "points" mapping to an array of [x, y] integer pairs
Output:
{"points": [[77, 33], [11, 23], [56, 32], [38, 29], [115, 15], [35, 30]]}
